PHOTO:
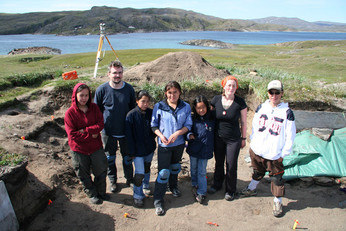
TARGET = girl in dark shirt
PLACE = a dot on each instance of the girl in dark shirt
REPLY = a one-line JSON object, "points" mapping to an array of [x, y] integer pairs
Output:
{"points": [[229, 137], [200, 145]]}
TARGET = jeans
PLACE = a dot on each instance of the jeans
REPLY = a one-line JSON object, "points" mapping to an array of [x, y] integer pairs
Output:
{"points": [[140, 169], [110, 145], [198, 174], [166, 157], [97, 163]]}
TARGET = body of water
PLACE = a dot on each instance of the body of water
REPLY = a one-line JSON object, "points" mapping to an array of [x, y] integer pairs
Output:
{"points": [[89, 43]]}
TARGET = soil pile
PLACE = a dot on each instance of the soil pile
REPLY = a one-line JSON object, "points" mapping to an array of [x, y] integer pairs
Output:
{"points": [[176, 66]]}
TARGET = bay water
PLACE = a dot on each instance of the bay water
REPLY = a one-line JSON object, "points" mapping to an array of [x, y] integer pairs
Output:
{"points": [[89, 43]]}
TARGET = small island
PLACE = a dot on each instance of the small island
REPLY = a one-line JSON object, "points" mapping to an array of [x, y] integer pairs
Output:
{"points": [[35, 50], [209, 43]]}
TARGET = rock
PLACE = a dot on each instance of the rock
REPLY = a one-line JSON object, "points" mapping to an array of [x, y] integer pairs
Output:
{"points": [[35, 50], [322, 133], [208, 43]]}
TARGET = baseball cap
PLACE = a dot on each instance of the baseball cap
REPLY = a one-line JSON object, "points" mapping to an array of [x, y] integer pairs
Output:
{"points": [[275, 84]]}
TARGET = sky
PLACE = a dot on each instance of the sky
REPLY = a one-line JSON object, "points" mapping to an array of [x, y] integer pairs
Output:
{"points": [[308, 10]]}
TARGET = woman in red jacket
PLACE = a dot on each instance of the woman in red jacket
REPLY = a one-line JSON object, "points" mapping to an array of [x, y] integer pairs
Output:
{"points": [[83, 124]]}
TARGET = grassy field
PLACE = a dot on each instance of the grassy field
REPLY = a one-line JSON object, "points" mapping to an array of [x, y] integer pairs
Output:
{"points": [[302, 66]]}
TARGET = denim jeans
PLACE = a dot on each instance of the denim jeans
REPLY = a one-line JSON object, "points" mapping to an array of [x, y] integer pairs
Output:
{"points": [[139, 169], [198, 174], [110, 145]]}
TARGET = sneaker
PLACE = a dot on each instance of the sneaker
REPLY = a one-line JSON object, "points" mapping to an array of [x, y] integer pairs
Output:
{"points": [[248, 193], [95, 200], [229, 196], [147, 192], [277, 209], [159, 211], [129, 183], [176, 192], [138, 202], [212, 190], [104, 197], [200, 198], [114, 187]]}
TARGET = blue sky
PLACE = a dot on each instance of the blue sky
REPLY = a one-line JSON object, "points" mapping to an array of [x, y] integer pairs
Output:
{"points": [[309, 10]]}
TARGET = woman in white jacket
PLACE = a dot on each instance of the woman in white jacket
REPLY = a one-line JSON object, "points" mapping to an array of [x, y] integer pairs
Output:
{"points": [[273, 133]]}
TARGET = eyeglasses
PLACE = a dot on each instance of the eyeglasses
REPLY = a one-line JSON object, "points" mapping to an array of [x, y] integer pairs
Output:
{"points": [[274, 92]]}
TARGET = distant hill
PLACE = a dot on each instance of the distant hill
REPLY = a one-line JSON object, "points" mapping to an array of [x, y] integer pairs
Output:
{"points": [[127, 20], [302, 25]]}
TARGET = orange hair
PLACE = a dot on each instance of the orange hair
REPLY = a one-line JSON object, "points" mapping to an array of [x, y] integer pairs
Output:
{"points": [[230, 77]]}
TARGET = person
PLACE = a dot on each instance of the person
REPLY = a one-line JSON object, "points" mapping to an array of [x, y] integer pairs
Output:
{"points": [[115, 99], [273, 133], [171, 119], [200, 145], [141, 145], [229, 136], [83, 124]]}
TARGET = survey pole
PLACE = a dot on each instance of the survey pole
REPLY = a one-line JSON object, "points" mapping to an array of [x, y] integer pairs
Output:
{"points": [[102, 35]]}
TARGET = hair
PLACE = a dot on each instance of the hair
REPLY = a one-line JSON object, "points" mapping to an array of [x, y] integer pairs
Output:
{"points": [[82, 87], [172, 84], [142, 93], [200, 99], [115, 63]]}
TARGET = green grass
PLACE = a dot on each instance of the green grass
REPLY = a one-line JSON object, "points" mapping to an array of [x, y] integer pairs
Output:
{"points": [[10, 159], [298, 64]]}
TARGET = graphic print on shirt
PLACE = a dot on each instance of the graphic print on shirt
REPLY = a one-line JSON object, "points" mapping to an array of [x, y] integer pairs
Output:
{"points": [[274, 124]]}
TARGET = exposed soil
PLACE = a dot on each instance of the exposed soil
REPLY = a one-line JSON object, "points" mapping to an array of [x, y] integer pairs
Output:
{"points": [[51, 176]]}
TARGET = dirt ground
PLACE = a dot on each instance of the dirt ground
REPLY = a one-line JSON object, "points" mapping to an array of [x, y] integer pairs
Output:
{"points": [[41, 122]]}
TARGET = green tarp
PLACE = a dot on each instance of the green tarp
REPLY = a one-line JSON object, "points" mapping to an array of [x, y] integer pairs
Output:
{"points": [[312, 156]]}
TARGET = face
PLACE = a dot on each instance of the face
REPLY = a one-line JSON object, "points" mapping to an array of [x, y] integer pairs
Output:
{"points": [[275, 96], [115, 74], [230, 87], [143, 103], [173, 95], [201, 109], [82, 97]]}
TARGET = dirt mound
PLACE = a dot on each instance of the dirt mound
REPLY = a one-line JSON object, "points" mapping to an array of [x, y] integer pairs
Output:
{"points": [[177, 66]]}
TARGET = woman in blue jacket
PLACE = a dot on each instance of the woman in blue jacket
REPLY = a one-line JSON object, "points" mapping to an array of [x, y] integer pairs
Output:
{"points": [[200, 146], [170, 121], [141, 145]]}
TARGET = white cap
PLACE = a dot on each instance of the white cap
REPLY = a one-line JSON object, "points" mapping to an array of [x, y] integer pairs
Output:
{"points": [[275, 84]]}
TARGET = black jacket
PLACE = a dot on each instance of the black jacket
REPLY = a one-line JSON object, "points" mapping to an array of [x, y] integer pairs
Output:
{"points": [[138, 133]]}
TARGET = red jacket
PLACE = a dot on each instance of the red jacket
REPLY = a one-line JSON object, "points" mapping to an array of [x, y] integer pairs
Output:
{"points": [[91, 122]]}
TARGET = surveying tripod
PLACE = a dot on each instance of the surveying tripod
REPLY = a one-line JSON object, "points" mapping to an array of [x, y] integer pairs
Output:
{"points": [[102, 36]]}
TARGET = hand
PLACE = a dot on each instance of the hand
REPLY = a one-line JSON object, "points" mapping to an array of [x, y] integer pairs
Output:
{"points": [[94, 135], [81, 130], [173, 138], [243, 143], [164, 140], [191, 137]]}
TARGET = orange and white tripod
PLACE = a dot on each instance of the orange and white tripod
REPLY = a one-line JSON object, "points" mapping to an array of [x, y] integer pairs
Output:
{"points": [[98, 54]]}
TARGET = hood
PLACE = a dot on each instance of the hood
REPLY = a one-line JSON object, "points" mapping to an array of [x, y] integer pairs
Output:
{"points": [[74, 95]]}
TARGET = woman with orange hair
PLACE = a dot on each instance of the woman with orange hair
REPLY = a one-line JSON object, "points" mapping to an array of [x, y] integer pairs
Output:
{"points": [[229, 136]]}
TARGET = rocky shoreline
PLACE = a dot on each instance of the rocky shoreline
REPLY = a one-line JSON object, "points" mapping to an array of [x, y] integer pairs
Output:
{"points": [[209, 43], [35, 50]]}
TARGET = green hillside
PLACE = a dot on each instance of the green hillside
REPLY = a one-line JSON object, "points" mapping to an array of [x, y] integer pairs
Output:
{"points": [[125, 20]]}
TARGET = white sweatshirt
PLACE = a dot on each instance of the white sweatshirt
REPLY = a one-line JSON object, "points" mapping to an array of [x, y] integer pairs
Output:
{"points": [[273, 131]]}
